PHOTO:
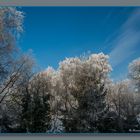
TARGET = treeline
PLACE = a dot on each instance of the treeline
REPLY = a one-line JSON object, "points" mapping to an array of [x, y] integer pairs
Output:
{"points": [[77, 97]]}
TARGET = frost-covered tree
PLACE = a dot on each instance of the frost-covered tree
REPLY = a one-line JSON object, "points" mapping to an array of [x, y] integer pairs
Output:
{"points": [[84, 83], [125, 105], [35, 103], [55, 87], [11, 97], [56, 125], [10, 27], [134, 73]]}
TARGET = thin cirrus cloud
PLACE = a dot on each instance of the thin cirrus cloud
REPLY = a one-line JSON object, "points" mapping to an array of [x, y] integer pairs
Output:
{"points": [[127, 39]]}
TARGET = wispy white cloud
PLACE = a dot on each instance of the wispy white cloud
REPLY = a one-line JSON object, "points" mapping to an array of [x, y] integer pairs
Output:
{"points": [[127, 39]]}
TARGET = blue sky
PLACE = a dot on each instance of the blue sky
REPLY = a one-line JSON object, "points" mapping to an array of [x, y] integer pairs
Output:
{"points": [[54, 33]]}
